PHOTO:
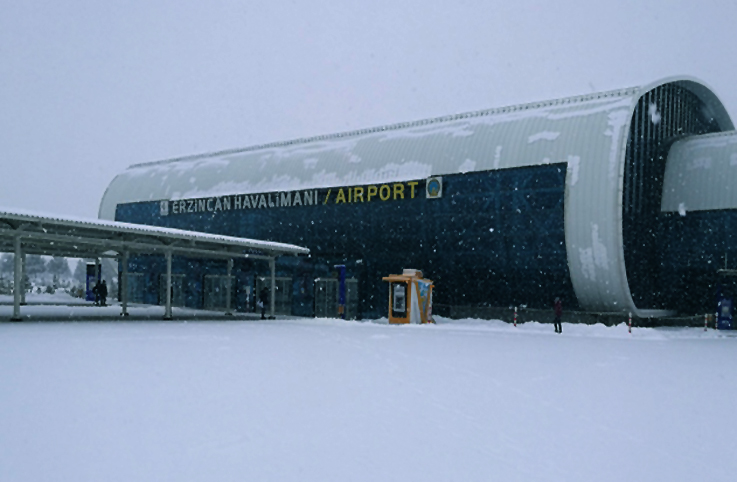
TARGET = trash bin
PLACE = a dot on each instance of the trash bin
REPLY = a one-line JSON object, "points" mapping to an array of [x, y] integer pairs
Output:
{"points": [[724, 314]]}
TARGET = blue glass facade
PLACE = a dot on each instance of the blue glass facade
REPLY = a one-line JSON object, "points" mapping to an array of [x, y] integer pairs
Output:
{"points": [[494, 238], [695, 247], [681, 114]]}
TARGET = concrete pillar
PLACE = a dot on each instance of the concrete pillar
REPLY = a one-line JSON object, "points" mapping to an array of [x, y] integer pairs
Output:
{"points": [[272, 292], [23, 277], [124, 285], [229, 289], [18, 285], [167, 311]]}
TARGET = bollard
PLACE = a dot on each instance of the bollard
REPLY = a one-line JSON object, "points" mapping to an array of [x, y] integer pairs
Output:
{"points": [[706, 320], [629, 323], [515, 316]]}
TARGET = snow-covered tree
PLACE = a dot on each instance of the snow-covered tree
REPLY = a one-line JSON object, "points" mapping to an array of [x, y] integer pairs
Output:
{"points": [[80, 272], [58, 266], [35, 266], [7, 263]]}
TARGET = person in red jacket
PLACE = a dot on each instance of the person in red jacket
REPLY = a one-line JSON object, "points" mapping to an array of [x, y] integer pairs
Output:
{"points": [[558, 307]]}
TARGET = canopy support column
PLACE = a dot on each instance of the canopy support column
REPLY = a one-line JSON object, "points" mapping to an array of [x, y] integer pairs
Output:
{"points": [[98, 278], [229, 288], [24, 277], [17, 280], [124, 285], [272, 291], [167, 311]]}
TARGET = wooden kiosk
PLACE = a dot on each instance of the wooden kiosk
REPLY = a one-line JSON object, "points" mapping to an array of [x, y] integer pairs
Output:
{"points": [[410, 297]]}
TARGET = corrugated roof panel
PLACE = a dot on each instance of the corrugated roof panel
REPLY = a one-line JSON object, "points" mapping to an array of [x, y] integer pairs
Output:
{"points": [[520, 136]]}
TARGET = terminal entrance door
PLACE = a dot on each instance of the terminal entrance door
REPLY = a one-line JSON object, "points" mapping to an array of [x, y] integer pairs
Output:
{"points": [[283, 295], [215, 292], [177, 290], [327, 298], [136, 288]]}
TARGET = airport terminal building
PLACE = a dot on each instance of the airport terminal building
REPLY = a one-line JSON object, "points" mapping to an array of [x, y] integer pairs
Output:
{"points": [[618, 201]]}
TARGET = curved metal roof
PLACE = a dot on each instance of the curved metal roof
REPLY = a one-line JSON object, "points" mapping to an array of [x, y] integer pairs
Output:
{"points": [[529, 134], [593, 209]]}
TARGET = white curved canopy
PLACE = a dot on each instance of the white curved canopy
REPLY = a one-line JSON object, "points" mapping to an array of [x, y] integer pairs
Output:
{"points": [[700, 174]]}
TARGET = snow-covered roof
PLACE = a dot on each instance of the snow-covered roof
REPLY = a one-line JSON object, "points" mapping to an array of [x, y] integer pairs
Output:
{"points": [[79, 237], [529, 134]]}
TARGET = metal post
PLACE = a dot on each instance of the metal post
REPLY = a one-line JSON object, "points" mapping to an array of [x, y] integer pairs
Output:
{"points": [[341, 290], [124, 285], [23, 277], [17, 280], [272, 294], [228, 290], [167, 311]]}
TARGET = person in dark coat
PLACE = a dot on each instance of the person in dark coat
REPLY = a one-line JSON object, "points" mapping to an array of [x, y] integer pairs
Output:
{"points": [[96, 293], [102, 291], [263, 298], [558, 308]]}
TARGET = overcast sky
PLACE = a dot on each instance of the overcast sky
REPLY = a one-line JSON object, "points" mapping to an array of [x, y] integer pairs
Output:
{"points": [[89, 87]]}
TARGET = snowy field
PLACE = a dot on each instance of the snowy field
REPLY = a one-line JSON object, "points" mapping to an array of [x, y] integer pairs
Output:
{"points": [[327, 400]]}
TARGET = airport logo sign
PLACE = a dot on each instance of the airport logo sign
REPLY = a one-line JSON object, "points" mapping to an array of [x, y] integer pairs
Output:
{"points": [[434, 187]]}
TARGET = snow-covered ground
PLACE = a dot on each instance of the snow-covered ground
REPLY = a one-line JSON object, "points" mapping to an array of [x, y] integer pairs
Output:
{"points": [[328, 400], [59, 298]]}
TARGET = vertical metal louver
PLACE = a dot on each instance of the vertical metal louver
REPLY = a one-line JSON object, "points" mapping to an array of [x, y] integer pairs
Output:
{"points": [[662, 116]]}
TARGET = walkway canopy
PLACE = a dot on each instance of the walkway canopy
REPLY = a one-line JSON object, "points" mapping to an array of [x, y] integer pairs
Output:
{"points": [[23, 232]]}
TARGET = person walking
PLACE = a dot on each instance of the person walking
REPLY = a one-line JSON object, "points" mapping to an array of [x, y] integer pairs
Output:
{"points": [[558, 308], [96, 293], [102, 290], [263, 298]]}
